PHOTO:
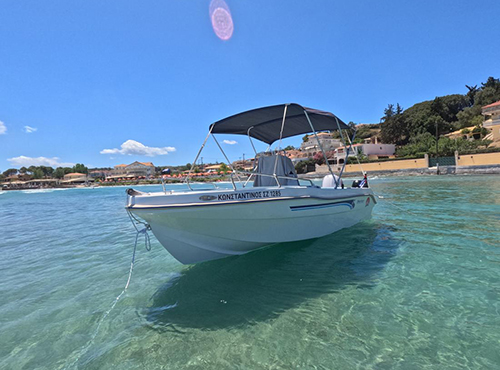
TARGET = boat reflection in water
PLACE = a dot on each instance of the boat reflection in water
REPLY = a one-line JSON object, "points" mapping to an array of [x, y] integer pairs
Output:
{"points": [[258, 286]]}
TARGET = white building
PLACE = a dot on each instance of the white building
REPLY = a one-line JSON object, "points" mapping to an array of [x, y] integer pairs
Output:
{"points": [[136, 169], [76, 178], [372, 151], [311, 147]]}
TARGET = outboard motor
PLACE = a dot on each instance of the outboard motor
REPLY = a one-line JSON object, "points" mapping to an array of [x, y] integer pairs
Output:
{"points": [[329, 181], [360, 183]]}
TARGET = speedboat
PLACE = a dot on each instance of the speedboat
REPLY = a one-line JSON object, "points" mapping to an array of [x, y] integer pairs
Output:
{"points": [[270, 205]]}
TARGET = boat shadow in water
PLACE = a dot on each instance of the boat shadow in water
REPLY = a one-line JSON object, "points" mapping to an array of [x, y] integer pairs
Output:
{"points": [[259, 286]]}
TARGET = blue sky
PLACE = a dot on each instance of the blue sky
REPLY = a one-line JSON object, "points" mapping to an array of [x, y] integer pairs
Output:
{"points": [[85, 76]]}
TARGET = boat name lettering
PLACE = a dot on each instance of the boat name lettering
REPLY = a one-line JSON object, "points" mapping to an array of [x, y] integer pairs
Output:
{"points": [[250, 195], [208, 197]]}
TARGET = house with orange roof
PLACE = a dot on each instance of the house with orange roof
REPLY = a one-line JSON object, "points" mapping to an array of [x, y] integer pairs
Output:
{"points": [[491, 115]]}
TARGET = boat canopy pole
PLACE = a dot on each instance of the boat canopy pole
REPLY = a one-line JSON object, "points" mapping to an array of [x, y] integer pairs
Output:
{"points": [[255, 158], [347, 153], [251, 142], [197, 155], [321, 147], [341, 134], [345, 146], [357, 158], [279, 145], [228, 162]]}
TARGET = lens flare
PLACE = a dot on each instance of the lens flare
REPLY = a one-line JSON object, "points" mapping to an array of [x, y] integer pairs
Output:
{"points": [[222, 22]]}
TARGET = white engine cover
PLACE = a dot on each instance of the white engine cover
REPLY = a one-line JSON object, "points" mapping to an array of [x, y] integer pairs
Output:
{"points": [[329, 181]]}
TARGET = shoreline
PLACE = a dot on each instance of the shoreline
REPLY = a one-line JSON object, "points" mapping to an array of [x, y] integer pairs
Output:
{"points": [[117, 185], [430, 171]]}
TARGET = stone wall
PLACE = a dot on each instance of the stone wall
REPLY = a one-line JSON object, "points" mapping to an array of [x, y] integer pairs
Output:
{"points": [[403, 164], [482, 159]]}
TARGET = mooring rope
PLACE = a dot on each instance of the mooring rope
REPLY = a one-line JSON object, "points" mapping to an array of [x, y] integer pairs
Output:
{"points": [[147, 243]]}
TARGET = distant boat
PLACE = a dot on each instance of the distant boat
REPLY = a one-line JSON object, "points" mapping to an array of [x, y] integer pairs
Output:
{"points": [[201, 225]]}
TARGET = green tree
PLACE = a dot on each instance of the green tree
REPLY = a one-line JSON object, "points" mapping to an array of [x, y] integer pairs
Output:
{"points": [[38, 173], [59, 173], [491, 82], [80, 168], [10, 172], [471, 94], [290, 147], [47, 171], [467, 117], [394, 127], [367, 131], [301, 167], [488, 93], [224, 168]]}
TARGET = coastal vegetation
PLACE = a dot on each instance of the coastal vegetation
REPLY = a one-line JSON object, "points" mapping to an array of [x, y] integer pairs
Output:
{"points": [[415, 125], [41, 172], [426, 143], [415, 130]]}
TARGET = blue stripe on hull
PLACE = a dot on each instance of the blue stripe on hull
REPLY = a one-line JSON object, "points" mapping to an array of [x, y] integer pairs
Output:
{"points": [[349, 204]]}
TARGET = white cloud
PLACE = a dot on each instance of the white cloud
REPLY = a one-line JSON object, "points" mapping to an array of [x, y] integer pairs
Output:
{"points": [[3, 128], [29, 129], [230, 142], [38, 161], [132, 147]]}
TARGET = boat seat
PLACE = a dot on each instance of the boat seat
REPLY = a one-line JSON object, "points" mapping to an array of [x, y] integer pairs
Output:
{"points": [[284, 167]]}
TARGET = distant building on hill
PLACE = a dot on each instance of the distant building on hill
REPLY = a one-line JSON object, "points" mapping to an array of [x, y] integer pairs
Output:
{"points": [[372, 140], [99, 174], [212, 167], [19, 177], [75, 178], [297, 155], [372, 151], [244, 164], [310, 147], [491, 115], [136, 169]]}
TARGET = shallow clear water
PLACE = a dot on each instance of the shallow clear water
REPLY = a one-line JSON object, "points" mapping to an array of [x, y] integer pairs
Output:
{"points": [[416, 287]]}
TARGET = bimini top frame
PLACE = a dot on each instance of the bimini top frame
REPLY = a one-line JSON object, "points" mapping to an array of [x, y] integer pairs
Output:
{"points": [[267, 124]]}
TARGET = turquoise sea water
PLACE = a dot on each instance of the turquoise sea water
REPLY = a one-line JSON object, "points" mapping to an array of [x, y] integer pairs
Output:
{"points": [[418, 286]]}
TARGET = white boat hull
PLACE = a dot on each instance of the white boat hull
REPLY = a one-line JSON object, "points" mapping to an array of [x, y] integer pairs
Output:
{"points": [[194, 231]]}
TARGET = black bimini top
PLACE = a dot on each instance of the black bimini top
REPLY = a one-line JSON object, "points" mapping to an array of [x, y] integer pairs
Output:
{"points": [[265, 123]]}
